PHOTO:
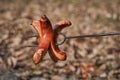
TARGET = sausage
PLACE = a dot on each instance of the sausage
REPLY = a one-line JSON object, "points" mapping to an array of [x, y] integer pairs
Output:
{"points": [[58, 27], [47, 39], [52, 55], [44, 29]]}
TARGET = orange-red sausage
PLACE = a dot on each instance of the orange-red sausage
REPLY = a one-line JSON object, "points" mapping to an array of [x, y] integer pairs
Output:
{"points": [[58, 27], [44, 29], [47, 39]]}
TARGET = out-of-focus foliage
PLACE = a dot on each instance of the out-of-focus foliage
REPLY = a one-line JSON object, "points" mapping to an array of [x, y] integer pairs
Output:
{"points": [[91, 58]]}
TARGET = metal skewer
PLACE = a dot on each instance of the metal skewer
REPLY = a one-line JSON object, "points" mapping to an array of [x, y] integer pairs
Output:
{"points": [[81, 36], [86, 36]]}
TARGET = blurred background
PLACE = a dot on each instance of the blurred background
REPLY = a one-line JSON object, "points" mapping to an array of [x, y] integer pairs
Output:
{"points": [[87, 59]]}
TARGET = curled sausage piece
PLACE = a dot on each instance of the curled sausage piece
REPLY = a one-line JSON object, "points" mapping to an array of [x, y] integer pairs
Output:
{"points": [[52, 55], [60, 55], [36, 24], [58, 27], [37, 57], [42, 49], [44, 29]]}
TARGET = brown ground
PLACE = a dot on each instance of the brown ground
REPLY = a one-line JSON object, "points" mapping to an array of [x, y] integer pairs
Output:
{"points": [[90, 58]]}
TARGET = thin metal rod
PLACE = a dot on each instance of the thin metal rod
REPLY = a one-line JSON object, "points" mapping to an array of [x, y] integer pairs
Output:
{"points": [[81, 36], [86, 36], [93, 35], [25, 46], [35, 35], [30, 46]]}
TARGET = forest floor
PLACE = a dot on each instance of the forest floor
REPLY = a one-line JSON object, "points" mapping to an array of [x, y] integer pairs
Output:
{"points": [[87, 59]]}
